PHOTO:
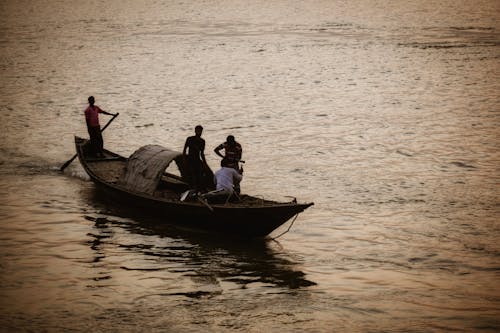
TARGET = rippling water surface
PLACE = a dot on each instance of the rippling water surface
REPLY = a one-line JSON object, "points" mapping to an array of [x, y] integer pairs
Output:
{"points": [[385, 114]]}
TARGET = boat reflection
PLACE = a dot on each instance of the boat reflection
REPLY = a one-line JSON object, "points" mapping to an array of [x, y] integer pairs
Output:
{"points": [[201, 256]]}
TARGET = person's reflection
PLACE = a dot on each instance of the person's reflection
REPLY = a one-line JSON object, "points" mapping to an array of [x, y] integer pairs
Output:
{"points": [[101, 233]]}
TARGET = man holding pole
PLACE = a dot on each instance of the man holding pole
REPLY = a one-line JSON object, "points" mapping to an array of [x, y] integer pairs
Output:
{"points": [[93, 127]]}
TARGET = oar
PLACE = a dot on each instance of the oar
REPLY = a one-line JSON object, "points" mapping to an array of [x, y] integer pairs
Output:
{"points": [[203, 201], [68, 162]]}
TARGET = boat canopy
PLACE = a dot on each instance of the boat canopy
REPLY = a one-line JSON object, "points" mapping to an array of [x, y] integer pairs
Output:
{"points": [[146, 166]]}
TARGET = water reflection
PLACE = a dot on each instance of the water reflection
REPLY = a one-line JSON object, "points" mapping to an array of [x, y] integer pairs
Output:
{"points": [[151, 245], [99, 237]]}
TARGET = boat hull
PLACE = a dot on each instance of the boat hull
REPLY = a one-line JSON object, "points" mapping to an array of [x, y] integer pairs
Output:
{"points": [[255, 221]]}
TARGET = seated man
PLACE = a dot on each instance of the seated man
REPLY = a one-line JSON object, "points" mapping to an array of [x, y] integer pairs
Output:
{"points": [[226, 179]]}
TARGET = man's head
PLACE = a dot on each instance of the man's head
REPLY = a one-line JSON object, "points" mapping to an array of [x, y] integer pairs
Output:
{"points": [[198, 130], [91, 100], [230, 139]]}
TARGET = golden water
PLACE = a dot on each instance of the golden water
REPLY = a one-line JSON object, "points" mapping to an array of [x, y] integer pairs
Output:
{"points": [[385, 114]]}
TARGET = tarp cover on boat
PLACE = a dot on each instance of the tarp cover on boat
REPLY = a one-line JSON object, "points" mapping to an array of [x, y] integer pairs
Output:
{"points": [[146, 166]]}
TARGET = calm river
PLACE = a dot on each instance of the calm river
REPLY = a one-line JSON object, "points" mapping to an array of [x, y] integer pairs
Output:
{"points": [[384, 113]]}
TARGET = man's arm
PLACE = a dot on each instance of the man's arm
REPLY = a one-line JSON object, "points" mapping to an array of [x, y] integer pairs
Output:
{"points": [[106, 112], [239, 151], [202, 153], [87, 117], [237, 176], [185, 147], [218, 149]]}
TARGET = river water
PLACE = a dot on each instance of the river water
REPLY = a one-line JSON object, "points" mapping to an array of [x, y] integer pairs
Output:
{"points": [[384, 113]]}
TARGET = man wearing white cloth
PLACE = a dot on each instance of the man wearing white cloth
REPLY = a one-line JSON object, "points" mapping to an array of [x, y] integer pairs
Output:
{"points": [[226, 178]]}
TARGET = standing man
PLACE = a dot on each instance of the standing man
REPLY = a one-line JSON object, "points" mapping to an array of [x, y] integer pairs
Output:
{"points": [[194, 151], [232, 152], [93, 127]]}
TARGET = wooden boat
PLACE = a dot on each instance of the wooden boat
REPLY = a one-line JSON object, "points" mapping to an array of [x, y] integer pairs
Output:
{"points": [[247, 217]]}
